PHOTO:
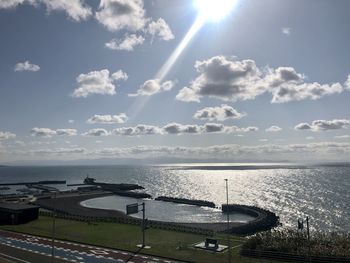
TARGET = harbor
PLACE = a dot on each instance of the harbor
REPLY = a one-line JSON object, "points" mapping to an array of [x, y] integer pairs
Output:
{"points": [[102, 200]]}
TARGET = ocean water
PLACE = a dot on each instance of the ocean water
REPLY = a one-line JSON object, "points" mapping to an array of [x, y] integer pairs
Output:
{"points": [[321, 192]]}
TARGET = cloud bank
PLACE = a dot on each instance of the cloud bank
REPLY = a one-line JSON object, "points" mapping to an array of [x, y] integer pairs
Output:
{"points": [[323, 125], [47, 132]]}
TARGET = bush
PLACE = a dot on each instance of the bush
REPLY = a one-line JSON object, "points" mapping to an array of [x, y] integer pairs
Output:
{"points": [[295, 242]]}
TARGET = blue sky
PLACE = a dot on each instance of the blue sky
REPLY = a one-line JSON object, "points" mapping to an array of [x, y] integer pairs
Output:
{"points": [[80, 80]]}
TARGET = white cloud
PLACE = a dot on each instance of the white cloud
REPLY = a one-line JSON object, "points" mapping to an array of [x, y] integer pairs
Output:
{"points": [[347, 83], [231, 80], [66, 132], [77, 10], [120, 75], [313, 91], [161, 29], [108, 119], [273, 129], [4, 4], [286, 31], [223, 79], [172, 128], [176, 128], [127, 43], [42, 143], [26, 66], [47, 132], [42, 132], [323, 125], [342, 137], [97, 82], [96, 132], [140, 129], [116, 15], [222, 113], [70, 121], [7, 135], [58, 151], [263, 140], [310, 138], [153, 86]]}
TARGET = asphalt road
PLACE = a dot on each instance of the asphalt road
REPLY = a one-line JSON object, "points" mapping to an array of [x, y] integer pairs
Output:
{"points": [[22, 248]]}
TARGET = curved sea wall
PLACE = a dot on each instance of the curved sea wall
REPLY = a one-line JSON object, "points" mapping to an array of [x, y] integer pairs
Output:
{"points": [[68, 206], [264, 219]]}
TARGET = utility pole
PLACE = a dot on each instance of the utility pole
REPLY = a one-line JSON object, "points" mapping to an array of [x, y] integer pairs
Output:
{"points": [[143, 224], [308, 237], [53, 230], [134, 209], [228, 224]]}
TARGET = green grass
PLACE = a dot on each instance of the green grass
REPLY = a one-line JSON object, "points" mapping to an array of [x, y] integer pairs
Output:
{"points": [[122, 236]]}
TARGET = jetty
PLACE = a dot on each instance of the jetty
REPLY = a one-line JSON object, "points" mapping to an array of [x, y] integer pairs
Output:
{"points": [[112, 187], [185, 201], [137, 195]]}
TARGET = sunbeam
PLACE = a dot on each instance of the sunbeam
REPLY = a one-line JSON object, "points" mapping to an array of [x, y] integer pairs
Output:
{"points": [[140, 103]]}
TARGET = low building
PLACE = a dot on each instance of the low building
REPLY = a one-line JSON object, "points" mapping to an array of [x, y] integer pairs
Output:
{"points": [[17, 213]]}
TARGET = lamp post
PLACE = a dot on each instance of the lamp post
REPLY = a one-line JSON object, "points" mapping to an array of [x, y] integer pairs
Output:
{"points": [[228, 224]]}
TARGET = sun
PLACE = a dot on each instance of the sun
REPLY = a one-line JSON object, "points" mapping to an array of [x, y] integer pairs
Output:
{"points": [[214, 10]]}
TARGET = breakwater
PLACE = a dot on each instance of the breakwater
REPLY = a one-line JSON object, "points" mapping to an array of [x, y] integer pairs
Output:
{"points": [[35, 183], [132, 194], [185, 201], [264, 219]]}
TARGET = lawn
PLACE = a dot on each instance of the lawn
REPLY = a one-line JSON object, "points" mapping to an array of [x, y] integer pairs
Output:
{"points": [[122, 236]]}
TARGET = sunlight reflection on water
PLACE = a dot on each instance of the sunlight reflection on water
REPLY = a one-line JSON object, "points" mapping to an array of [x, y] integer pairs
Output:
{"points": [[320, 192]]}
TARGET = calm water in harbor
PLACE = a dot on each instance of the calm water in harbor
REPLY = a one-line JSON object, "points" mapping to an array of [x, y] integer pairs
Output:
{"points": [[321, 192], [165, 211]]}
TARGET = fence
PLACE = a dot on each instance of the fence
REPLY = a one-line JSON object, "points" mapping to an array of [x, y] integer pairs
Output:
{"points": [[129, 220], [287, 257]]}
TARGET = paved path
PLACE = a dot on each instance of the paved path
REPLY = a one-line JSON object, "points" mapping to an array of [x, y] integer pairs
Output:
{"points": [[73, 252]]}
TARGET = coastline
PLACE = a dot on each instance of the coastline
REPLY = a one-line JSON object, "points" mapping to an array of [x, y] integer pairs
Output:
{"points": [[71, 205]]}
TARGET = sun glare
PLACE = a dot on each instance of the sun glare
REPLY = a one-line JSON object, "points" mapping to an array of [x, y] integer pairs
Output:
{"points": [[214, 10]]}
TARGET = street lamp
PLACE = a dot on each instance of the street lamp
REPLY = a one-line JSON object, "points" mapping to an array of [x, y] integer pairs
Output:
{"points": [[228, 224]]}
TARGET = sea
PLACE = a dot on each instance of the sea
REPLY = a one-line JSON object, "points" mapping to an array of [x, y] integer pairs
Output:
{"points": [[292, 191]]}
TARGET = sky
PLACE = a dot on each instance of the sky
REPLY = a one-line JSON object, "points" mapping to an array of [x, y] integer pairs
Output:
{"points": [[162, 80]]}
